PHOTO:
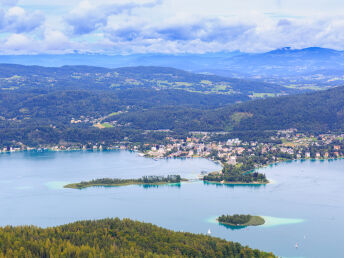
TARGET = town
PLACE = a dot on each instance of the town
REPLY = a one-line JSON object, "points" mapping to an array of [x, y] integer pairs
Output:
{"points": [[293, 145], [230, 153]]}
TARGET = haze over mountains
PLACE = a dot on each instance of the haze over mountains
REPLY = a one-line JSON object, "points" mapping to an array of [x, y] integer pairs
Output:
{"points": [[309, 68]]}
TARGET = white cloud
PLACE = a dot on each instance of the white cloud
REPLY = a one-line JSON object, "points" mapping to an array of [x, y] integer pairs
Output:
{"points": [[17, 20], [56, 40], [88, 16], [17, 42]]}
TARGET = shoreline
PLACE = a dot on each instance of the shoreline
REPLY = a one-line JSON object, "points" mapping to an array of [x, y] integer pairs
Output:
{"points": [[141, 154], [235, 183], [77, 186], [199, 176]]}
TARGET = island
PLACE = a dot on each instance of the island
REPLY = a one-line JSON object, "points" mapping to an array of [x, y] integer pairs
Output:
{"points": [[239, 174], [145, 180], [240, 220]]}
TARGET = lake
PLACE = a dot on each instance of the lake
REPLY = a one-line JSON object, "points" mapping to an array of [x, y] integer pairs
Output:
{"points": [[303, 205]]}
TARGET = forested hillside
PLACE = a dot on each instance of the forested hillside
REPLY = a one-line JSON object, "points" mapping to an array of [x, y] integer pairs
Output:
{"points": [[114, 238], [18, 77], [34, 117], [37, 117], [316, 112]]}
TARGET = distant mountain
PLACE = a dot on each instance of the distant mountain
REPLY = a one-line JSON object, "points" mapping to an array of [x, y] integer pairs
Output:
{"points": [[190, 62], [287, 61], [309, 68], [18, 77]]}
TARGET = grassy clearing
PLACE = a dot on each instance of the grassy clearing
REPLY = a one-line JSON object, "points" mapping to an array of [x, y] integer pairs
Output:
{"points": [[115, 113], [106, 125], [238, 116], [263, 95], [206, 82]]}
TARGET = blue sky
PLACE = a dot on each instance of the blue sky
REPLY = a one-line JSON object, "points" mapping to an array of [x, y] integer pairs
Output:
{"points": [[168, 26]]}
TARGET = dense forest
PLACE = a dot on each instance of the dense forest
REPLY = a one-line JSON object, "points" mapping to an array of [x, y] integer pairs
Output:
{"points": [[315, 112], [241, 220], [35, 117], [235, 219], [114, 238], [236, 174]]}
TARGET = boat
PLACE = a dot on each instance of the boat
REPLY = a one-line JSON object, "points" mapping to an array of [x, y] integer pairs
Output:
{"points": [[209, 232], [296, 245]]}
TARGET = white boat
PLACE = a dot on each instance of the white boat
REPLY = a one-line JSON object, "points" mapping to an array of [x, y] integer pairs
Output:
{"points": [[209, 232], [296, 245]]}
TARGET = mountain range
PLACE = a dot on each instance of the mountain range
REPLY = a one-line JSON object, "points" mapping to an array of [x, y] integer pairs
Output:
{"points": [[309, 68]]}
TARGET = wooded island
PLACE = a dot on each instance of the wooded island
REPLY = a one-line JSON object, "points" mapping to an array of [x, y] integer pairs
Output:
{"points": [[145, 180], [237, 175], [241, 220]]}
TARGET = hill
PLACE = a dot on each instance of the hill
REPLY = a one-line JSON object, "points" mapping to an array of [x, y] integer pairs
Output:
{"points": [[114, 238], [313, 112], [15, 77], [77, 117]]}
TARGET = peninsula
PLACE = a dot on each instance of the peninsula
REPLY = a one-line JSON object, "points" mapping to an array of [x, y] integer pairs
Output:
{"points": [[145, 180], [240, 220]]}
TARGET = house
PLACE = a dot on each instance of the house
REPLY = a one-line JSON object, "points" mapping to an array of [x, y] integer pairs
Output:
{"points": [[232, 160], [240, 150]]}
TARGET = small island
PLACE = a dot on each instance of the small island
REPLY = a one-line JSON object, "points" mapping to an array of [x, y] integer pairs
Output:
{"points": [[237, 175], [145, 180], [240, 220]]}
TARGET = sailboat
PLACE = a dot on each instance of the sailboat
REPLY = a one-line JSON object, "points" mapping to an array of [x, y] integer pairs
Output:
{"points": [[296, 245], [209, 232]]}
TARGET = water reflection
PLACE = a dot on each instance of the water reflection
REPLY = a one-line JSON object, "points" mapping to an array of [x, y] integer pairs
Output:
{"points": [[232, 227], [255, 186], [59, 185], [177, 185]]}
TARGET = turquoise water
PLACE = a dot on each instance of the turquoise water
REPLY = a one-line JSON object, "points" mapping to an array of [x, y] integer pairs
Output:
{"points": [[303, 205]]}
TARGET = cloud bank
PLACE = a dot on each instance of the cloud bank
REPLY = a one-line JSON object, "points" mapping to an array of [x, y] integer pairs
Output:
{"points": [[147, 26]]}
